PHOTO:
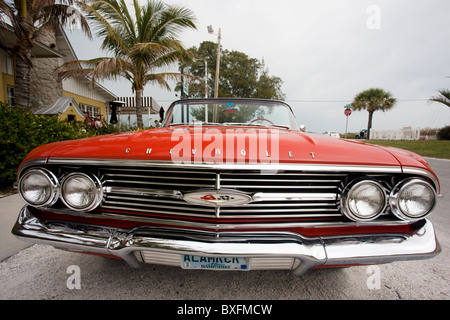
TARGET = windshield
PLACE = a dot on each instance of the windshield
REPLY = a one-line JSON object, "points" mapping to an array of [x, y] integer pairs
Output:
{"points": [[231, 112]]}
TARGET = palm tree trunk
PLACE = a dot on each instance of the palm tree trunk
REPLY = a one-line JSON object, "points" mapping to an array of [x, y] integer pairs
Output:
{"points": [[140, 122], [369, 125], [22, 84]]}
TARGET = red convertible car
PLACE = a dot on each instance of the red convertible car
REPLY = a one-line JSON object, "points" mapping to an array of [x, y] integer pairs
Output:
{"points": [[229, 184]]}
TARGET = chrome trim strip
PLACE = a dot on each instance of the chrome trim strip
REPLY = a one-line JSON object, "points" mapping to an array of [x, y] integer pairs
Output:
{"points": [[144, 192], [278, 180], [424, 173], [228, 166], [195, 185], [31, 163], [123, 205], [226, 226], [276, 187], [290, 196], [272, 167], [156, 177], [225, 212], [288, 204], [281, 210], [379, 248]]}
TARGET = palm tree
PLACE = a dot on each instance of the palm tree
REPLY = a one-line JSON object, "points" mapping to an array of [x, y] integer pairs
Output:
{"points": [[444, 97], [141, 45], [372, 100], [27, 17]]}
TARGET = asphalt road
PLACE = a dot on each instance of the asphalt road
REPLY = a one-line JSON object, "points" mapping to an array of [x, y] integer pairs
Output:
{"points": [[42, 272]]}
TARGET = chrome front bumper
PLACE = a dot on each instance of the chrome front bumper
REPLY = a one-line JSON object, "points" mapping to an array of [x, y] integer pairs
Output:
{"points": [[264, 250]]}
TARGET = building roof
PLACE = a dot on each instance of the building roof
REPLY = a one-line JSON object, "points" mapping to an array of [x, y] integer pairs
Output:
{"points": [[60, 106], [65, 47], [39, 50]]}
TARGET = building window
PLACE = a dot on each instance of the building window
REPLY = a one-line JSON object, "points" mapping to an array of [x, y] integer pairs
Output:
{"points": [[94, 112], [7, 63], [10, 92]]}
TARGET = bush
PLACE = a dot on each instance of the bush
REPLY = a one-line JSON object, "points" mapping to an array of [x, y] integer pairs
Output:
{"points": [[444, 133], [21, 131]]}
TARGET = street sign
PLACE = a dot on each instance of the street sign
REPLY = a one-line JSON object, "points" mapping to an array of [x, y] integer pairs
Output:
{"points": [[347, 112]]}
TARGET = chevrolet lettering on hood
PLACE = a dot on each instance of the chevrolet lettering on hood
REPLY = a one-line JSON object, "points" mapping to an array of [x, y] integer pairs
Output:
{"points": [[229, 184]]}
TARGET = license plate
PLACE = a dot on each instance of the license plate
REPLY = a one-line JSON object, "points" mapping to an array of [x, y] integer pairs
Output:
{"points": [[209, 263]]}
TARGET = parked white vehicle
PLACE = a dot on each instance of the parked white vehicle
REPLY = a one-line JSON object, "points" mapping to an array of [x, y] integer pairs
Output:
{"points": [[332, 134]]}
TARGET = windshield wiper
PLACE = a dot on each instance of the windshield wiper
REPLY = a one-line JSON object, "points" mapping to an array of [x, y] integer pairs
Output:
{"points": [[177, 124], [254, 124], [199, 123]]}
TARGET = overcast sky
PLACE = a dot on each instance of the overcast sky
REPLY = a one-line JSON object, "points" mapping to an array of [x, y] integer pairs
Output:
{"points": [[327, 51]]}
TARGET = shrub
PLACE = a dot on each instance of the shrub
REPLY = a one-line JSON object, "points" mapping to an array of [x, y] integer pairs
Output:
{"points": [[444, 133], [21, 131]]}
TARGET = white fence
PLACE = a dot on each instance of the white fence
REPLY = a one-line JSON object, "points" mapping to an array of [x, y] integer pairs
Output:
{"points": [[407, 133]]}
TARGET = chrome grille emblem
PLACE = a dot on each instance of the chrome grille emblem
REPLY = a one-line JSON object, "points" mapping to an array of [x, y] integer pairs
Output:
{"points": [[217, 198]]}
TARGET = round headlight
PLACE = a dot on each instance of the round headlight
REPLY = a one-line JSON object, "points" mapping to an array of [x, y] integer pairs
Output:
{"points": [[81, 192], [39, 187], [363, 200], [412, 199]]}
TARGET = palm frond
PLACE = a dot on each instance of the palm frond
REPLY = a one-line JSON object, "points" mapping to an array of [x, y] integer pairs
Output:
{"points": [[173, 21], [57, 14], [111, 68], [443, 98], [106, 17]]}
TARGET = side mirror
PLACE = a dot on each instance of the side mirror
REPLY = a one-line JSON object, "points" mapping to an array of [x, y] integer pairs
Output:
{"points": [[302, 128]]}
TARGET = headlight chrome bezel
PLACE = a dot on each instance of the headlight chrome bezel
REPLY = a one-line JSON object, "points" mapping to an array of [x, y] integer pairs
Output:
{"points": [[399, 189], [53, 184], [346, 197], [97, 191]]}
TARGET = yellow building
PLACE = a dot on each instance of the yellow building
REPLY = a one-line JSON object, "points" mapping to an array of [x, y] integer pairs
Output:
{"points": [[6, 78]]}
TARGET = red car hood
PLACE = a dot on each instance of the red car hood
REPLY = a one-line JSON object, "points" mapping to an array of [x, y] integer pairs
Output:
{"points": [[229, 145]]}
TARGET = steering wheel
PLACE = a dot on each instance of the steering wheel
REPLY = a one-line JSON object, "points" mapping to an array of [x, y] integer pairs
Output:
{"points": [[261, 119]]}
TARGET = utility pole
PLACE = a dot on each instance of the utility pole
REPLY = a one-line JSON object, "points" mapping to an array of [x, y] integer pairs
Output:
{"points": [[216, 89], [206, 79]]}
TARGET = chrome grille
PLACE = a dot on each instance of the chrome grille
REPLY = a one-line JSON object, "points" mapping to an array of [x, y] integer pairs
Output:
{"points": [[285, 194]]}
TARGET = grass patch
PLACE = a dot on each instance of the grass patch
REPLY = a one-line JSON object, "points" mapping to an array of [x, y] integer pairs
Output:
{"points": [[426, 148]]}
